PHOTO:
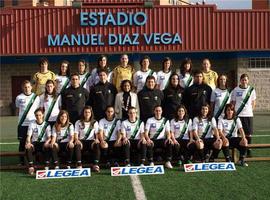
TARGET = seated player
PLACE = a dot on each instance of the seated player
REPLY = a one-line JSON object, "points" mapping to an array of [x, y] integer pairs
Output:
{"points": [[157, 135], [228, 128], [132, 130], [182, 136], [62, 138], [38, 140], [206, 134], [109, 128], [85, 137]]}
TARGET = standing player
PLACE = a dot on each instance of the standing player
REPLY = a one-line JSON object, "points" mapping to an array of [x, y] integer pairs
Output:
{"points": [[101, 65], [132, 130], [140, 76], [109, 128], [40, 78], [63, 77], [220, 97], [182, 136], [205, 131], [26, 103], [50, 102], [62, 138], [244, 99], [173, 96], [163, 76], [228, 128], [185, 76], [38, 140], [86, 130], [84, 75], [209, 76], [157, 135], [124, 71]]}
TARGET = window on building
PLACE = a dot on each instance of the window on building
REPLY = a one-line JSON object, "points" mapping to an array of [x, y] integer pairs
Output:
{"points": [[259, 63], [2, 3]]}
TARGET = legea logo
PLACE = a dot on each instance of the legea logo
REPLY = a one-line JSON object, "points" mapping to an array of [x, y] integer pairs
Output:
{"points": [[198, 167], [63, 173], [145, 170]]}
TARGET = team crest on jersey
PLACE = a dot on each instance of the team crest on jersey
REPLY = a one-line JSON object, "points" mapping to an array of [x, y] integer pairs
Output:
{"points": [[145, 170], [239, 94], [199, 167], [22, 101], [156, 98], [128, 128], [153, 126], [218, 94], [80, 95], [162, 77], [109, 91], [226, 124], [105, 126], [140, 77], [177, 126], [63, 173], [35, 130]]}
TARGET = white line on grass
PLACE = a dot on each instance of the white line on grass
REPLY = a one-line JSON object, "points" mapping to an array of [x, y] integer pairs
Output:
{"points": [[260, 135], [4, 143], [137, 188]]}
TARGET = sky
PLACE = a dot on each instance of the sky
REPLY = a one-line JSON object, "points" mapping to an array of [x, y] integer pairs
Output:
{"points": [[228, 4]]}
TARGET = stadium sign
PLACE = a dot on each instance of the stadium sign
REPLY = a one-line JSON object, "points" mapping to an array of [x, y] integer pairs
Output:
{"points": [[145, 170], [63, 173], [199, 167]]}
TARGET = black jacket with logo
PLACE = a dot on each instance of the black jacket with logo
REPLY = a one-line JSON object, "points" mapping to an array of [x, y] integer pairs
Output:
{"points": [[74, 100], [148, 99], [101, 96]]}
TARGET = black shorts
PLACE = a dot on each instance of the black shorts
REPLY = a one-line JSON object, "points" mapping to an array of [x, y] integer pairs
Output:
{"points": [[22, 132], [247, 123], [38, 146]]}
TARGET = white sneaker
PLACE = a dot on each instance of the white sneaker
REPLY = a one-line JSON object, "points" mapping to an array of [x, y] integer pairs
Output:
{"points": [[151, 164], [79, 167], [46, 168], [142, 165], [56, 167], [168, 165], [128, 165], [68, 167]]}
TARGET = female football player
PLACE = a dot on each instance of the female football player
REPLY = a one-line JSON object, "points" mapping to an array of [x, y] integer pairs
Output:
{"points": [[85, 137], [228, 128], [62, 138], [206, 134], [38, 140], [182, 136]]}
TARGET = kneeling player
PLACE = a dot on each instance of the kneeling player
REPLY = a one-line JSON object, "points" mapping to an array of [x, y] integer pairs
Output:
{"points": [[157, 135], [205, 131], [38, 140], [181, 134], [132, 130], [109, 128], [85, 137], [228, 128], [62, 138]]}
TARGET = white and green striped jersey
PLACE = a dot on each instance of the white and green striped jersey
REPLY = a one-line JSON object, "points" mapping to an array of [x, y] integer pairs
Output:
{"points": [[110, 128], [133, 130], [156, 129], [225, 125], [39, 132], [201, 126], [85, 132], [177, 128], [65, 133]]}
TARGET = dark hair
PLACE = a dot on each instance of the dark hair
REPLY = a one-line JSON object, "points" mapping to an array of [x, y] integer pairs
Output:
{"points": [[218, 85], [144, 58], [84, 62], [182, 66], [43, 60], [39, 110], [244, 76], [165, 60], [209, 114], [100, 59], [170, 79], [25, 82], [150, 77], [176, 117], [92, 120], [131, 108], [231, 107], [102, 70], [58, 122], [54, 94], [124, 82], [157, 106], [107, 107], [68, 68], [75, 74], [196, 72]]}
